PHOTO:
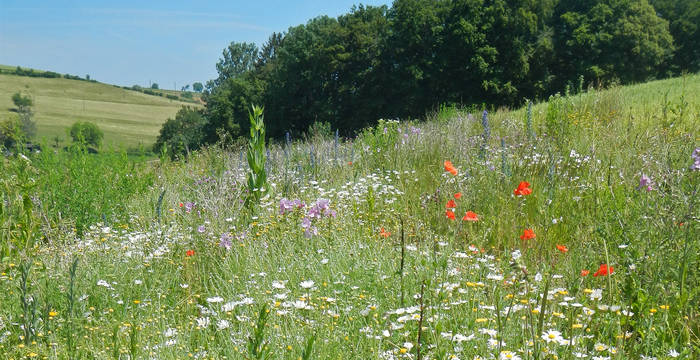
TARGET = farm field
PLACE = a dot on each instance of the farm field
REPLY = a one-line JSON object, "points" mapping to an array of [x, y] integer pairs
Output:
{"points": [[567, 230], [127, 118]]}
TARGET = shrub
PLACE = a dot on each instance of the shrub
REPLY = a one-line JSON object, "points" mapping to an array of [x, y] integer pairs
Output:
{"points": [[11, 133], [86, 133]]}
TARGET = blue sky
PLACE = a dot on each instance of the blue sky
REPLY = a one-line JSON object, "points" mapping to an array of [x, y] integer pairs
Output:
{"points": [[128, 42]]}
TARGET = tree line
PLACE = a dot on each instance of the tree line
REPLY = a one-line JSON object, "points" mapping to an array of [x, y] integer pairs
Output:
{"points": [[404, 60]]}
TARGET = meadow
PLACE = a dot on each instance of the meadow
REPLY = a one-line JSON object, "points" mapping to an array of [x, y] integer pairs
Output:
{"points": [[127, 118], [564, 230]]}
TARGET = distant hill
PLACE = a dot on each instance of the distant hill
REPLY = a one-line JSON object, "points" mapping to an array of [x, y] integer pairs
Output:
{"points": [[127, 117]]}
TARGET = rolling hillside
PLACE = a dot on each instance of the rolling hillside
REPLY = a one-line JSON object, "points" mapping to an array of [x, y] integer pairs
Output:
{"points": [[127, 118]]}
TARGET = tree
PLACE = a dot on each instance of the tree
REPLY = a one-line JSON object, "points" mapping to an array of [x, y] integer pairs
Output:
{"points": [[154, 86], [185, 88], [231, 94], [607, 40], [237, 60], [22, 101], [684, 24], [86, 133], [198, 87], [183, 134], [24, 108]]}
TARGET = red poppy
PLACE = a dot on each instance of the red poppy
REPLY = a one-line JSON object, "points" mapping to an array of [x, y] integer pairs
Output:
{"points": [[384, 233], [349, 162], [450, 215], [562, 248], [450, 168], [585, 272], [523, 189], [458, 195], [451, 204], [470, 216], [604, 270], [181, 204], [527, 234], [189, 253]]}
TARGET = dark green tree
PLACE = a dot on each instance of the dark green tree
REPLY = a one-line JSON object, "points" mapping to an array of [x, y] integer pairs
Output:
{"points": [[606, 40], [684, 21], [231, 94], [182, 134], [237, 59], [154, 86], [198, 87]]}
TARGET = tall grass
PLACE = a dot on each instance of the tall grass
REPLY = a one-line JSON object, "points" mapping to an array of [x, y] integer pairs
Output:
{"points": [[390, 276]]}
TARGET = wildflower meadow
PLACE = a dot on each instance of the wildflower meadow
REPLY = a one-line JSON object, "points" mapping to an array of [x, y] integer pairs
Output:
{"points": [[567, 229]]}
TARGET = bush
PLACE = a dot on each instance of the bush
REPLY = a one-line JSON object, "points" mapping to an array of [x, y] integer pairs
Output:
{"points": [[11, 133], [172, 97], [86, 133]]}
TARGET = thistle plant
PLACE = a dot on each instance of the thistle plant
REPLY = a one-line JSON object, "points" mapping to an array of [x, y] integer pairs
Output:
{"points": [[257, 177]]}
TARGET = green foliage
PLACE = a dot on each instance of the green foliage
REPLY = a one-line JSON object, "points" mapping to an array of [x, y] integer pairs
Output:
{"points": [[257, 346], [11, 133], [24, 105], [198, 87], [22, 101], [238, 59], [406, 60], [381, 137], [257, 176], [154, 86], [342, 285], [86, 134], [319, 131], [229, 96], [183, 134], [606, 40], [683, 17], [79, 189], [19, 220]]}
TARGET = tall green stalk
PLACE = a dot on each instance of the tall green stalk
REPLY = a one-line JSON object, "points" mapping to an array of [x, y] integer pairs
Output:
{"points": [[257, 177]]}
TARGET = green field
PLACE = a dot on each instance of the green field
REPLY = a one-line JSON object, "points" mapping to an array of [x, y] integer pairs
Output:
{"points": [[127, 118], [572, 235]]}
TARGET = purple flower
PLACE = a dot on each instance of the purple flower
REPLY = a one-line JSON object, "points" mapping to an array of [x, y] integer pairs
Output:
{"points": [[308, 233], [309, 229], [289, 205], [225, 241], [200, 228], [321, 208], [189, 206], [645, 183], [696, 160], [305, 223], [286, 206]]}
